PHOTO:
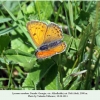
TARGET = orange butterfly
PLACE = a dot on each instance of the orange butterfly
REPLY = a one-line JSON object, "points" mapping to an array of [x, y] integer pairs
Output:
{"points": [[47, 38]]}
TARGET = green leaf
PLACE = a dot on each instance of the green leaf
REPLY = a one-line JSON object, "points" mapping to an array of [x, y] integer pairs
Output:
{"points": [[3, 20], [18, 43], [83, 18], [53, 82], [98, 40], [4, 42], [40, 74], [16, 52], [44, 9], [25, 60], [7, 30]]}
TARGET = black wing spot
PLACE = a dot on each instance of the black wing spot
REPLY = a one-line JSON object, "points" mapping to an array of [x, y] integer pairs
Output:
{"points": [[59, 35], [41, 30], [34, 34], [48, 35], [42, 26], [58, 31]]}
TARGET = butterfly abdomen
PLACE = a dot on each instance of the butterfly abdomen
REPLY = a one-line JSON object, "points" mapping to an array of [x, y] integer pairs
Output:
{"points": [[53, 44], [49, 45]]}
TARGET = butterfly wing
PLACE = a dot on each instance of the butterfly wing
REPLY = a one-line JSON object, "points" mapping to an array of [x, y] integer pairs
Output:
{"points": [[51, 52], [37, 31], [53, 33]]}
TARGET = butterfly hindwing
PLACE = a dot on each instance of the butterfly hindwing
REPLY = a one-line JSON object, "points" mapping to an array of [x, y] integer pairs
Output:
{"points": [[41, 54]]}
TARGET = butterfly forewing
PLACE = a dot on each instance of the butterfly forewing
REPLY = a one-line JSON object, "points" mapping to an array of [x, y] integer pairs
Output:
{"points": [[37, 31], [53, 33]]}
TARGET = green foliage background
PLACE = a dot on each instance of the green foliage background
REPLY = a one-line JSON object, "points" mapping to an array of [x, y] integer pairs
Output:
{"points": [[78, 68]]}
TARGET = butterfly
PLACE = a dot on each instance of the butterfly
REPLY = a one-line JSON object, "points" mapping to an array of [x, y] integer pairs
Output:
{"points": [[47, 38]]}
